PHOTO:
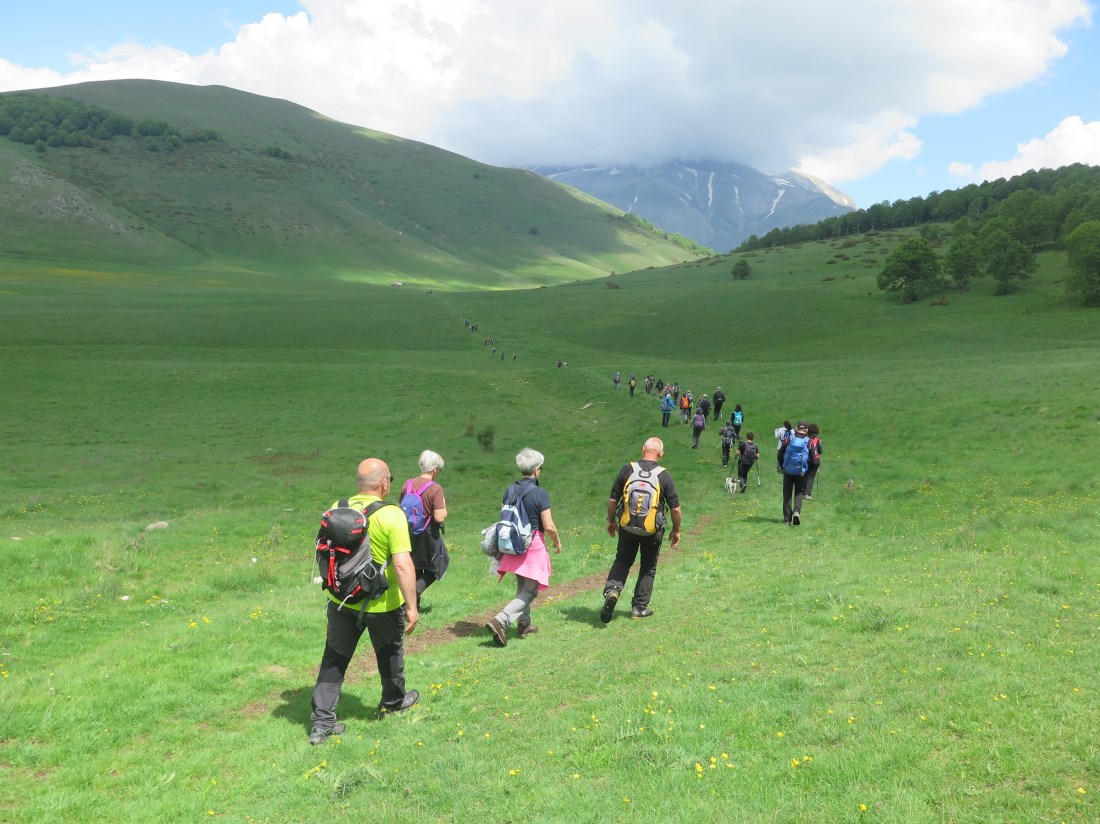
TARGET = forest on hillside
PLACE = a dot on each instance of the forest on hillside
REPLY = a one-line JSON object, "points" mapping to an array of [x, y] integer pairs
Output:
{"points": [[1037, 208]]}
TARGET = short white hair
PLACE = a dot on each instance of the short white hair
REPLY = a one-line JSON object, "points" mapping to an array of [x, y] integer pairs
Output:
{"points": [[430, 461], [528, 460]]}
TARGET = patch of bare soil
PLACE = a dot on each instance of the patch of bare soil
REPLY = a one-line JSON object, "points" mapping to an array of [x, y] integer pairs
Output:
{"points": [[419, 641]]}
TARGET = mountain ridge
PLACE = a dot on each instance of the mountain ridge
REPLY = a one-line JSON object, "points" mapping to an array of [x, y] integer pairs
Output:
{"points": [[717, 204]]}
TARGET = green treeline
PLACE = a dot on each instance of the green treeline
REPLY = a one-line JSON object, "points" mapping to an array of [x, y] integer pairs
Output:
{"points": [[681, 241], [47, 122], [1038, 209]]}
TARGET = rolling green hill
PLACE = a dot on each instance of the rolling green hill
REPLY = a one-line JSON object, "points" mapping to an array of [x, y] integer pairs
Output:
{"points": [[286, 190]]}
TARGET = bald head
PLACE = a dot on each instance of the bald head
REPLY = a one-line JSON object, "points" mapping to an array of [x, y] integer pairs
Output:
{"points": [[653, 449], [373, 477]]}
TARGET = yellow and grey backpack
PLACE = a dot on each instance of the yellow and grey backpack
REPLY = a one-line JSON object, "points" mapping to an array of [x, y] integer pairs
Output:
{"points": [[640, 507]]}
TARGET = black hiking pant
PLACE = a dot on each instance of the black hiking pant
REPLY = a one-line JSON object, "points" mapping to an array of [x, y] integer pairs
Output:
{"points": [[630, 545], [387, 635], [794, 487], [743, 470], [811, 475]]}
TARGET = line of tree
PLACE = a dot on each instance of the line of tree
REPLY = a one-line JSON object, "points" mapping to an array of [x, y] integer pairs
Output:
{"points": [[914, 270], [53, 122], [1037, 208], [683, 242]]}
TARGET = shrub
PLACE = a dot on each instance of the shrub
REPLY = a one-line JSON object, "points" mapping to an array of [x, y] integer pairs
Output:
{"points": [[485, 437]]}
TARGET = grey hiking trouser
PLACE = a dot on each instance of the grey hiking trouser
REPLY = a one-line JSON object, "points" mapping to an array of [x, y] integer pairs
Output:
{"points": [[518, 610]]}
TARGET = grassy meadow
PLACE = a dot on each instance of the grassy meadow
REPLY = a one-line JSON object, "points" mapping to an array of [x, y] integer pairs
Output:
{"points": [[923, 648]]}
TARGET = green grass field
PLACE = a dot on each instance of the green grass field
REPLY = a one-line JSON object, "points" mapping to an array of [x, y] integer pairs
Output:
{"points": [[923, 648]]}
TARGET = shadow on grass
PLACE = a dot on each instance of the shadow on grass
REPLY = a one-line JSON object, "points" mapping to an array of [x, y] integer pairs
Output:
{"points": [[297, 708], [585, 615], [763, 519]]}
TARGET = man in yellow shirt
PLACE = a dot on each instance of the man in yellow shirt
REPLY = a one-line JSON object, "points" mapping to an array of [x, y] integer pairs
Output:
{"points": [[387, 619]]}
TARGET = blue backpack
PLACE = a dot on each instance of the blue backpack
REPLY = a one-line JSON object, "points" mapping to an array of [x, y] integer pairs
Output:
{"points": [[412, 504], [796, 458], [513, 529], [737, 418]]}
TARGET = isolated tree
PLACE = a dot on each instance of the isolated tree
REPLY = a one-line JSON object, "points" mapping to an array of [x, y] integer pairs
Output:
{"points": [[912, 269], [1005, 259], [963, 260], [741, 269], [1083, 252]]}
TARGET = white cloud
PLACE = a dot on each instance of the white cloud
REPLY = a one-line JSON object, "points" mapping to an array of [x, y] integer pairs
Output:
{"points": [[837, 88], [1071, 141]]}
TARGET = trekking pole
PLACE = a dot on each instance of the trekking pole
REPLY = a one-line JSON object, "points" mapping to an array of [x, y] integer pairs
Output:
{"points": [[758, 473]]}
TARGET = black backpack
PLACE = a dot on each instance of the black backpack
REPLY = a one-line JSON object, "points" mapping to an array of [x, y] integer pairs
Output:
{"points": [[749, 453], [348, 571]]}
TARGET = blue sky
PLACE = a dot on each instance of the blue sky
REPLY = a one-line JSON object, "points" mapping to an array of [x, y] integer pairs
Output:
{"points": [[883, 100]]}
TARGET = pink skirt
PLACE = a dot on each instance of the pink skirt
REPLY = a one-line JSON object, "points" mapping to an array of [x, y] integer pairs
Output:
{"points": [[535, 564]]}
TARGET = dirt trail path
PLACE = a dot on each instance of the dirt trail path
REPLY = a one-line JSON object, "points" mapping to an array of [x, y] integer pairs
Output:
{"points": [[418, 642]]}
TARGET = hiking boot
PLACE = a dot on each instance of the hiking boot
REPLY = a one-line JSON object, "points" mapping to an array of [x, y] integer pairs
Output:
{"points": [[643, 612], [523, 630], [410, 699], [796, 518], [807, 497], [494, 626], [610, 599], [318, 734]]}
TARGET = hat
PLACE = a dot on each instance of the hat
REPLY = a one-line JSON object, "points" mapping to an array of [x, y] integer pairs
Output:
{"points": [[802, 427]]}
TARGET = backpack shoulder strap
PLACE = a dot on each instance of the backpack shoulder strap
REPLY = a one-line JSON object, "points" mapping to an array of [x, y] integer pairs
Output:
{"points": [[343, 502], [374, 507], [420, 492]]}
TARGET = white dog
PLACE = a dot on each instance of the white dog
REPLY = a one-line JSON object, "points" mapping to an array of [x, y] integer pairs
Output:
{"points": [[731, 485]]}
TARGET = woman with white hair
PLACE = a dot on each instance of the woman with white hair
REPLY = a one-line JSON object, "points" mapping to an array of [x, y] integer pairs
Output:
{"points": [[532, 569], [426, 508]]}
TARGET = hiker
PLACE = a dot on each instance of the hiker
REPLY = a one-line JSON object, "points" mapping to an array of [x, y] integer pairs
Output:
{"points": [[685, 408], [719, 402], [698, 424], [794, 461], [632, 384], [386, 619], [660, 385], [747, 454], [532, 569], [648, 384], [618, 377], [782, 433], [726, 433], [704, 405], [666, 409], [641, 494], [736, 419], [429, 552], [814, 431]]}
